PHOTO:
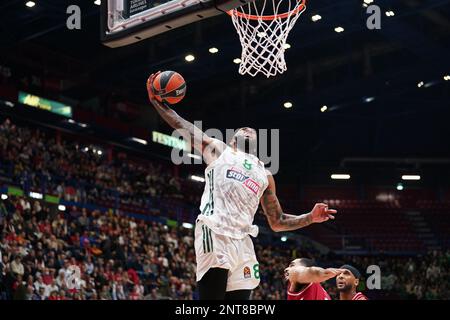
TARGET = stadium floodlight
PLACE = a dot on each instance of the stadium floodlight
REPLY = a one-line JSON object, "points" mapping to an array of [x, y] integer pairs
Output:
{"points": [[399, 187], [336, 176], [284, 238], [187, 225], [197, 178], [4, 196], [36, 195], [61, 207], [411, 177], [141, 141]]}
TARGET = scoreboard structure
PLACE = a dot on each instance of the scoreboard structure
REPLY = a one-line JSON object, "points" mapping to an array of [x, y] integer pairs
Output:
{"points": [[125, 22]]}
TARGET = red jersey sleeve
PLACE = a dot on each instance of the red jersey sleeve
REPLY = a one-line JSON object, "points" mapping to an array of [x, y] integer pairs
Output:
{"points": [[313, 291]]}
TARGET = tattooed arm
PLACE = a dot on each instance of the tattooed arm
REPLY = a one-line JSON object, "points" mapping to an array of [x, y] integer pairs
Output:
{"points": [[303, 275], [209, 148], [280, 221]]}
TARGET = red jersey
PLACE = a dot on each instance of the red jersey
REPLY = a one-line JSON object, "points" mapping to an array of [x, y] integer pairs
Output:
{"points": [[313, 291], [359, 296]]}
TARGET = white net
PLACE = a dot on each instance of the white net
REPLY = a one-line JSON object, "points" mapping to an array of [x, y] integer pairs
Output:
{"points": [[263, 27]]}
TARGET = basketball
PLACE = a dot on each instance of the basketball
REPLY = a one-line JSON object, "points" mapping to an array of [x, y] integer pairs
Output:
{"points": [[169, 86]]}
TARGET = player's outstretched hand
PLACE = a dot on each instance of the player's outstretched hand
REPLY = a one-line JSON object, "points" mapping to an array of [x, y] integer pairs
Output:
{"points": [[151, 94], [331, 273], [321, 213], [302, 274]]}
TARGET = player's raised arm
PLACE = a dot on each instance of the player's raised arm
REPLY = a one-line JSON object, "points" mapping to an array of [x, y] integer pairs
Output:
{"points": [[301, 274], [280, 221], [210, 148]]}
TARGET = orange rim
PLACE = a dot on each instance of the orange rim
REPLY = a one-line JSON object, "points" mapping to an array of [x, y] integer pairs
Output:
{"points": [[297, 10]]}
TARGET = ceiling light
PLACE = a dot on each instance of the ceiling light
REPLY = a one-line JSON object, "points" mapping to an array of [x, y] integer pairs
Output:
{"points": [[189, 58], [390, 13], [198, 178], [61, 207], [36, 195], [194, 156], [323, 109], [30, 4], [340, 176], [284, 238], [339, 29], [213, 50], [316, 17], [98, 2], [399, 187], [286, 46], [411, 177], [141, 141], [187, 225], [287, 105], [237, 60], [4, 196]]}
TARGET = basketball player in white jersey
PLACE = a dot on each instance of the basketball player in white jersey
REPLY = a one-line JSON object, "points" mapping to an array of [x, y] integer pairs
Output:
{"points": [[236, 182]]}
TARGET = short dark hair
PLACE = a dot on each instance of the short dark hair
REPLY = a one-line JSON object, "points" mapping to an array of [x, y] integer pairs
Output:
{"points": [[306, 262]]}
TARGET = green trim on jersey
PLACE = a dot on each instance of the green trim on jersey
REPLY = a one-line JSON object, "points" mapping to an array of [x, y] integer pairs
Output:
{"points": [[207, 239], [208, 210]]}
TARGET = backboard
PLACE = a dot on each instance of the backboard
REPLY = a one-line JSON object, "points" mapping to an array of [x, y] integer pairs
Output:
{"points": [[125, 22]]}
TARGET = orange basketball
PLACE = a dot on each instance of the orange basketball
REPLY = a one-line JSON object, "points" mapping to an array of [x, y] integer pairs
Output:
{"points": [[169, 86]]}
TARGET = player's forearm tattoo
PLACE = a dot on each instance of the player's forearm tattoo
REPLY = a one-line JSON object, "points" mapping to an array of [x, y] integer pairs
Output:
{"points": [[187, 129], [279, 220], [172, 118]]}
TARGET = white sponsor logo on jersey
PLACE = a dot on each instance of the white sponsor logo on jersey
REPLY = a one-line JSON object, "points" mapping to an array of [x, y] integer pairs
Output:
{"points": [[246, 180]]}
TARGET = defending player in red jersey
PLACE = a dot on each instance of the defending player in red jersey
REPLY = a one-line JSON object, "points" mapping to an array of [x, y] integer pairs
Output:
{"points": [[347, 282], [304, 280]]}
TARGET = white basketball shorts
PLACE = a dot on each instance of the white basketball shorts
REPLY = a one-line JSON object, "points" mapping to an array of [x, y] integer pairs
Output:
{"points": [[236, 255]]}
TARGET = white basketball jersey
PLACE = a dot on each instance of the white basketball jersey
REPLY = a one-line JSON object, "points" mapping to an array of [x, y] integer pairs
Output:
{"points": [[234, 184]]}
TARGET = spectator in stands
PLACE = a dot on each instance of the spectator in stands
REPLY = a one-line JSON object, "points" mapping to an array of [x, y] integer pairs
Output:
{"points": [[17, 266]]}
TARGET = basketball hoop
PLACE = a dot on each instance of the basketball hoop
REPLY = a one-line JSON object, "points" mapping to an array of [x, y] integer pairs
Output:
{"points": [[263, 33]]}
